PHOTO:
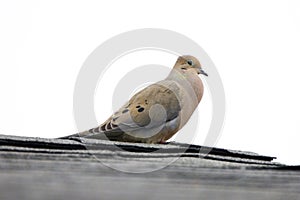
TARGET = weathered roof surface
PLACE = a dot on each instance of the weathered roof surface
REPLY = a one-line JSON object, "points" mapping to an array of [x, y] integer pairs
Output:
{"points": [[38, 168]]}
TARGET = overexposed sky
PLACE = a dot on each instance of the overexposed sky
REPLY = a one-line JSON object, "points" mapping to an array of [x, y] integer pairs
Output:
{"points": [[255, 46]]}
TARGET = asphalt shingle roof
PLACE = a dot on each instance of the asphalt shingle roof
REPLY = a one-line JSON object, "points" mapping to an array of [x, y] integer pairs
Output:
{"points": [[39, 168]]}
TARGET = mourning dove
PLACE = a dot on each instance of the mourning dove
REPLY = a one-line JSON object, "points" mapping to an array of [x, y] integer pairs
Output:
{"points": [[157, 112]]}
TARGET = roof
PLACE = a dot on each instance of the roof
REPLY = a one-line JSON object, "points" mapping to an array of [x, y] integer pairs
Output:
{"points": [[40, 168]]}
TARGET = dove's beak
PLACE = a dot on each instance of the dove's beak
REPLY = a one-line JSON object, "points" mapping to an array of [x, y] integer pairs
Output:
{"points": [[201, 71]]}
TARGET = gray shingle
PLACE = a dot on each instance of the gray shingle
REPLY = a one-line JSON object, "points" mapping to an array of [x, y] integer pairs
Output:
{"points": [[38, 168]]}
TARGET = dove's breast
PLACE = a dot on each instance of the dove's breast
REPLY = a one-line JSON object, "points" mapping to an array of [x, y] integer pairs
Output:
{"points": [[190, 93]]}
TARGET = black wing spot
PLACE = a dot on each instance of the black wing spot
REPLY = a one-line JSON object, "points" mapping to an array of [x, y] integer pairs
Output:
{"points": [[138, 106], [114, 119], [141, 109], [146, 102], [125, 111]]}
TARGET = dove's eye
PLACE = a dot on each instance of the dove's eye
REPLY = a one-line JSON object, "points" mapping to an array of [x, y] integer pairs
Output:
{"points": [[190, 62]]}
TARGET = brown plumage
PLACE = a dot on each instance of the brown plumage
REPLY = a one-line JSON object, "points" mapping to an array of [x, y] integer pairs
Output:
{"points": [[157, 112]]}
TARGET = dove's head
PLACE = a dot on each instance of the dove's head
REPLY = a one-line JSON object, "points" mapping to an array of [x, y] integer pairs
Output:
{"points": [[189, 64]]}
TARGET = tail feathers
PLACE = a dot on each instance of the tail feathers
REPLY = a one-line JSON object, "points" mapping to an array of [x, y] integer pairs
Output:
{"points": [[68, 136], [94, 133], [81, 134]]}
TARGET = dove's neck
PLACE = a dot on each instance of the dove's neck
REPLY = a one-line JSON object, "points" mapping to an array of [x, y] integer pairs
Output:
{"points": [[188, 80]]}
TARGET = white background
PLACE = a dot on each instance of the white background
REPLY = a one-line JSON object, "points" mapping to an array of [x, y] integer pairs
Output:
{"points": [[254, 44]]}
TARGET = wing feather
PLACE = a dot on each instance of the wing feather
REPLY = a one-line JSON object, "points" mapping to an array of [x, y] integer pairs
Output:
{"points": [[135, 113]]}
